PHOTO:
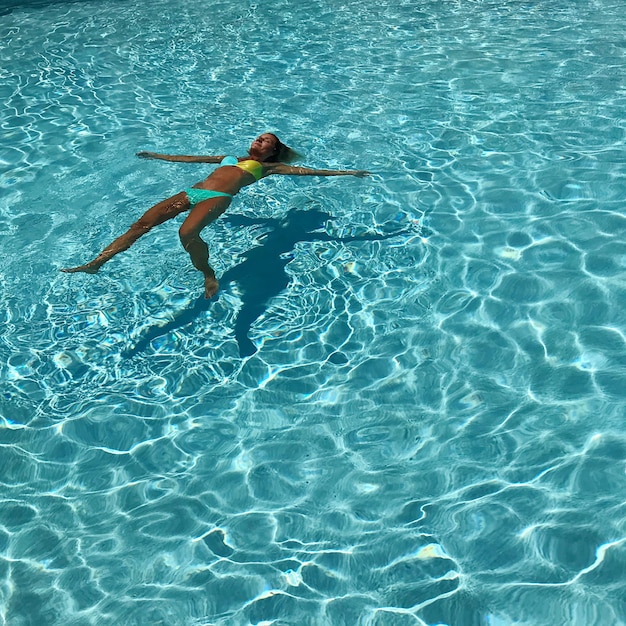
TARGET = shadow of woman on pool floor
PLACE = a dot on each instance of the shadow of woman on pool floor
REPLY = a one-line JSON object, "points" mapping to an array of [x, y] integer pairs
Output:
{"points": [[261, 275]]}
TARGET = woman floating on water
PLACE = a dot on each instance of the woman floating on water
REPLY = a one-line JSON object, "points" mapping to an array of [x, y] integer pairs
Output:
{"points": [[208, 199]]}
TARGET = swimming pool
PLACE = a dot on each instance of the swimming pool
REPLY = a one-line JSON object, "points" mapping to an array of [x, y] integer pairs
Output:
{"points": [[428, 427]]}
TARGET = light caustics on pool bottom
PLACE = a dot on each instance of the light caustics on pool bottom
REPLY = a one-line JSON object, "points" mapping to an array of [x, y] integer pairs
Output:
{"points": [[426, 424]]}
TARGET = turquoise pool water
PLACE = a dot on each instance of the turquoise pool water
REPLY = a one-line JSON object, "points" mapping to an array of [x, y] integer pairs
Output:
{"points": [[427, 422]]}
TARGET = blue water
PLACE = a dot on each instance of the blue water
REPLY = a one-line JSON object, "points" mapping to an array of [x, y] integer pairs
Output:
{"points": [[408, 412]]}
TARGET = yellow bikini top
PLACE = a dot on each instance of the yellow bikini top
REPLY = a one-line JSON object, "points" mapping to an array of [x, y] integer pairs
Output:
{"points": [[249, 165]]}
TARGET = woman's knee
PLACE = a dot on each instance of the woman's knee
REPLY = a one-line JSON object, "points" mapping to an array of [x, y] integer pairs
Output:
{"points": [[141, 226], [187, 234], [200, 217], [149, 220]]}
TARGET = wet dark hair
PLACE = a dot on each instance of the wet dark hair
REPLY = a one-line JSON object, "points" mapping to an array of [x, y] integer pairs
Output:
{"points": [[282, 153]]}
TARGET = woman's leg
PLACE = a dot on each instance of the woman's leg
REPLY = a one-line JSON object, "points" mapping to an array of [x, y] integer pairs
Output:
{"points": [[159, 213], [202, 215]]}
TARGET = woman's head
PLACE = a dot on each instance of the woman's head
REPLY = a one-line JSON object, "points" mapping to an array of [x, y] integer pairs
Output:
{"points": [[268, 147]]}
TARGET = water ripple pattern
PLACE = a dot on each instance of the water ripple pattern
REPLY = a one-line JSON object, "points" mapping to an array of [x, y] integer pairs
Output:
{"points": [[417, 417]]}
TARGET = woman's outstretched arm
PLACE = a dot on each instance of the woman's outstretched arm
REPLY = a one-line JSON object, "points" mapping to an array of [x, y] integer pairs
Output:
{"points": [[180, 157], [289, 170]]}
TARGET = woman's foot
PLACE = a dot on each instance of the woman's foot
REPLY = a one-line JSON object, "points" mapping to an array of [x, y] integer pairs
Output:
{"points": [[88, 268], [211, 286]]}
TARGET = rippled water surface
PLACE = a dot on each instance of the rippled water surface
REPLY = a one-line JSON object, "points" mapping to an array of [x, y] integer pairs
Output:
{"points": [[406, 406]]}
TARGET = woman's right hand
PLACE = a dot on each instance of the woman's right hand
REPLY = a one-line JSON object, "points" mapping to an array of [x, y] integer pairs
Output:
{"points": [[147, 155]]}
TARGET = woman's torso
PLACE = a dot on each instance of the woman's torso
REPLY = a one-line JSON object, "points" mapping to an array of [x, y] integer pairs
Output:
{"points": [[227, 179]]}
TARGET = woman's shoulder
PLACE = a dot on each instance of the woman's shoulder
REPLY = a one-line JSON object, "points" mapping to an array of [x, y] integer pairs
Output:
{"points": [[275, 167]]}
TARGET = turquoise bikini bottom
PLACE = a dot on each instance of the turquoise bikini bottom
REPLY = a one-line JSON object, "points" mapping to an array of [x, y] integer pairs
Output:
{"points": [[198, 195]]}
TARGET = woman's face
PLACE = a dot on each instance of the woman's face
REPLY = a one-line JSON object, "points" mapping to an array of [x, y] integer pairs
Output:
{"points": [[263, 146]]}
